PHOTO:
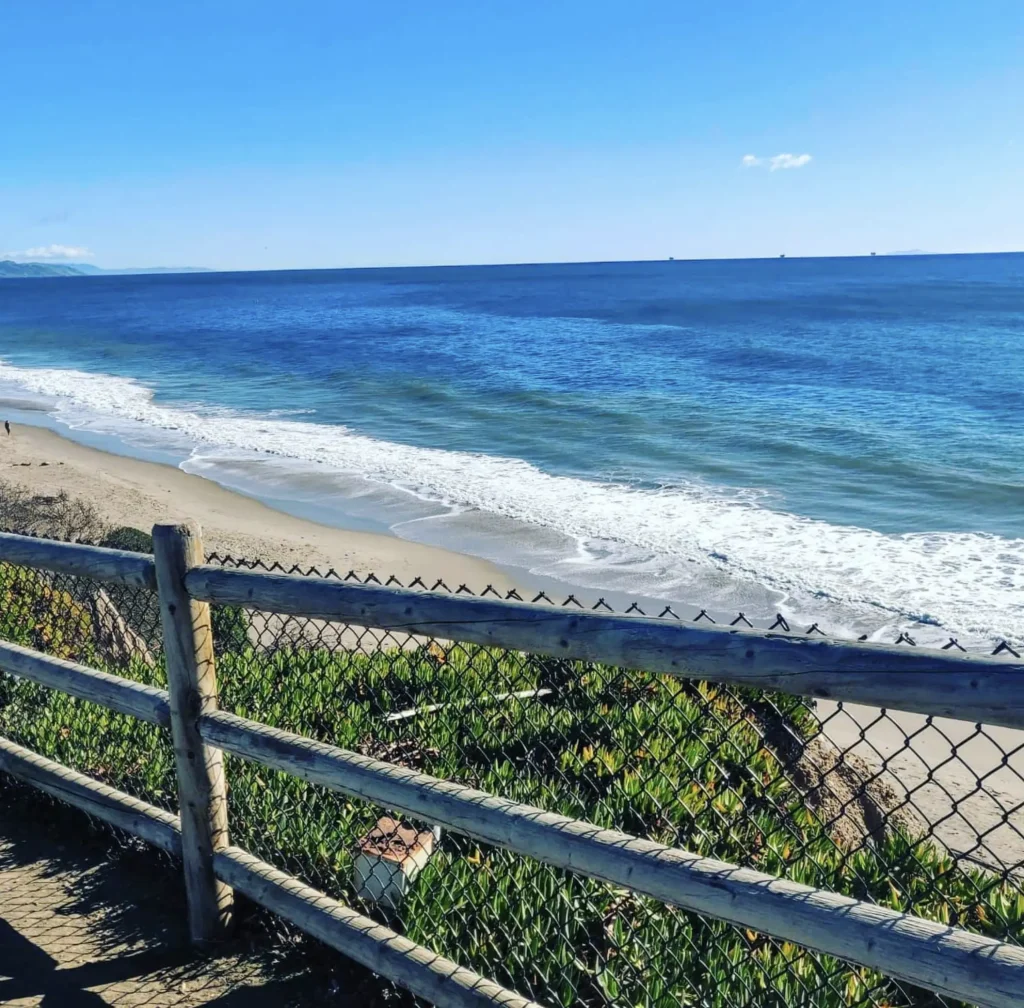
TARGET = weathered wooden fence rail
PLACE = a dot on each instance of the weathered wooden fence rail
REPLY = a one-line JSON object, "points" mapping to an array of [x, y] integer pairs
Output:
{"points": [[950, 961], [921, 681]]}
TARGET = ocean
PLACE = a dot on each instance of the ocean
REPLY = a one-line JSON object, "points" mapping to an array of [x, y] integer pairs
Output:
{"points": [[838, 440]]}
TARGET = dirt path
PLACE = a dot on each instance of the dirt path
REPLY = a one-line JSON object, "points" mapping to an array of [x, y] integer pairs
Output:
{"points": [[79, 930]]}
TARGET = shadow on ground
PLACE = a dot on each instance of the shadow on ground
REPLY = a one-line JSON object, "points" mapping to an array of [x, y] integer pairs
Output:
{"points": [[90, 918]]}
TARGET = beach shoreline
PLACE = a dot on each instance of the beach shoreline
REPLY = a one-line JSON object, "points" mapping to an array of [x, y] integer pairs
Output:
{"points": [[137, 485], [136, 492]]}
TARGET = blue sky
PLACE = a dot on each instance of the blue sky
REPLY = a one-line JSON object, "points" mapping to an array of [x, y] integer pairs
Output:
{"points": [[268, 135]]}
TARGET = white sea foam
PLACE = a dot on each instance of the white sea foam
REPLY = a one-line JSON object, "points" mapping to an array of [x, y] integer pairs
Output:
{"points": [[671, 541]]}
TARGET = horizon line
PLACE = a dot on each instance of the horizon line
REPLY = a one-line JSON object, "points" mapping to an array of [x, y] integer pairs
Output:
{"points": [[910, 254]]}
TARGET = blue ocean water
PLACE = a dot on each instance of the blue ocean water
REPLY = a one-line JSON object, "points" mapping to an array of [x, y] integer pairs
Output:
{"points": [[841, 439]]}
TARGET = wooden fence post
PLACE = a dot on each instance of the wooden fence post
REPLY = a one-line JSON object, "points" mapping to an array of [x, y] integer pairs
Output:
{"points": [[192, 684]]}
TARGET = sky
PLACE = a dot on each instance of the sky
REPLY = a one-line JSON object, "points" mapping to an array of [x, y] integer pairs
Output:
{"points": [[277, 135]]}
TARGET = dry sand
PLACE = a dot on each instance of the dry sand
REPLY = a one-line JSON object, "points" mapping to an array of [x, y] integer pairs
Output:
{"points": [[966, 785], [132, 492]]}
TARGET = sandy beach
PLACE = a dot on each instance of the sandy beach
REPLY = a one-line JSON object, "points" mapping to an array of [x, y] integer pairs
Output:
{"points": [[129, 491]]}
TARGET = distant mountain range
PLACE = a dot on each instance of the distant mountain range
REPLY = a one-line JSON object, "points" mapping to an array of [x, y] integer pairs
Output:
{"points": [[10, 269], [15, 269]]}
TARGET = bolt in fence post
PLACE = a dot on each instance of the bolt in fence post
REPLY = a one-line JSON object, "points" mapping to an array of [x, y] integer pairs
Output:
{"points": [[192, 684]]}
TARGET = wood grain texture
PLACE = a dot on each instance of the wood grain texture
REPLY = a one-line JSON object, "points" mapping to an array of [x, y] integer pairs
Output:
{"points": [[137, 817], [118, 566], [192, 685], [440, 981], [123, 695], [947, 960], [974, 688]]}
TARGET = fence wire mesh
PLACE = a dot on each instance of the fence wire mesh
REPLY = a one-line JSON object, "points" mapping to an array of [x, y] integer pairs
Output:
{"points": [[921, 814], [916, 813], [105, 626]]}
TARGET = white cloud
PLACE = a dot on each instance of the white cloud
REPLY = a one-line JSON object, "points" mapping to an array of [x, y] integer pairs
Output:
{"points": [[776, 162], [67, 252], [789, 161]]}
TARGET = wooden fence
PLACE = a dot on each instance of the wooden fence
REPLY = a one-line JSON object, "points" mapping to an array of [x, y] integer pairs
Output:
{"points": [[947, 960]]}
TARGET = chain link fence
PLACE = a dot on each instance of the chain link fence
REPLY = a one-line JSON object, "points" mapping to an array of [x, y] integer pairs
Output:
{"points": [[109, 627], [921, 814]]}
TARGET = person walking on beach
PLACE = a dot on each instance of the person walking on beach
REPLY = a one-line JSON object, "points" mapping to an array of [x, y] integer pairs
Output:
{"points": [[7, 427]]}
